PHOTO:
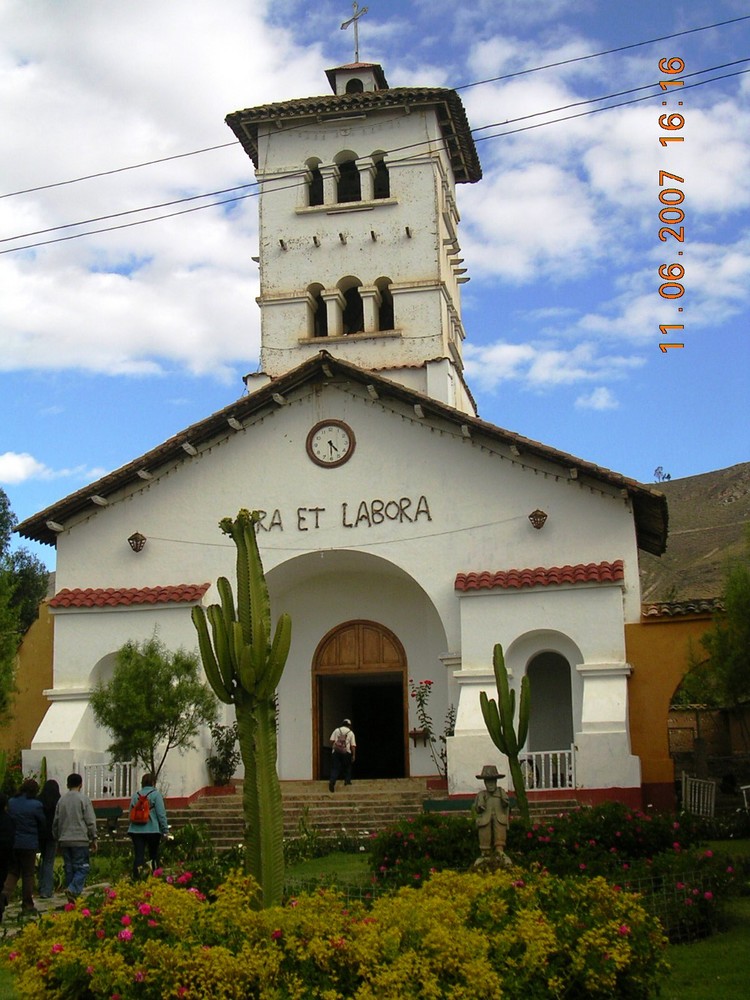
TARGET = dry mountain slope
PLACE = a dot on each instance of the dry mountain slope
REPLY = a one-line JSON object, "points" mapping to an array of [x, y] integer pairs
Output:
{"points": [[708, 518]]}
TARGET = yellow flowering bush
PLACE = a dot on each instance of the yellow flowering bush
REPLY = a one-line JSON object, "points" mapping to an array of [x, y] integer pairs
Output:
{"points": [[476, 936]]}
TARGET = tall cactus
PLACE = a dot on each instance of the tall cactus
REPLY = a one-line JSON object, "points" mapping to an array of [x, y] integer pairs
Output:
{"points": [[244, 666], [499, 724]]}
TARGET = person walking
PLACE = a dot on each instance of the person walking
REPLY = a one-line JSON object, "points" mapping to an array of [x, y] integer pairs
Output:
{"points": [[146, 835], [344, 746], [7, 836], [74, 828], [28, 816], [49, 797]]}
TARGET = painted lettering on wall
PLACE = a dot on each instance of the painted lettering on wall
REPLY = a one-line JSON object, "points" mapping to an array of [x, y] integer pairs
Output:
{"points": [[364, 514]]}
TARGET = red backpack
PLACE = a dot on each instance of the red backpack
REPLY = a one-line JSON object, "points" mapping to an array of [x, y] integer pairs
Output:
{"points": [[140, 811]]}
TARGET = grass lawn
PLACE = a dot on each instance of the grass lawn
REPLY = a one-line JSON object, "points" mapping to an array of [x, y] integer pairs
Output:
{"points": [[717, 967]]}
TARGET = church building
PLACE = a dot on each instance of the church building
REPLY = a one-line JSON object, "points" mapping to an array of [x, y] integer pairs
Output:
{"points": [[404, 535]]}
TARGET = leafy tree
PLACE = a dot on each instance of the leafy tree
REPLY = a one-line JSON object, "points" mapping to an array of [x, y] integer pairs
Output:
{"points": [[23, 584], [154, 703], [722, 678]]}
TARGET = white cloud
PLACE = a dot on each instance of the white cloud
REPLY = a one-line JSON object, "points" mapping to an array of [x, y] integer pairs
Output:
{"points": [[598, 399], [18, 468], [543, 366]]}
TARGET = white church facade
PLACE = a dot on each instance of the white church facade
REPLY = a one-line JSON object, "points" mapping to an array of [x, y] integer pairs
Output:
{"points": [[404, 535]]}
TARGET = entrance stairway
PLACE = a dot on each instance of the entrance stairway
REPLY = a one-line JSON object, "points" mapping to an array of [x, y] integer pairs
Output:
{"points": [[362, 808]]}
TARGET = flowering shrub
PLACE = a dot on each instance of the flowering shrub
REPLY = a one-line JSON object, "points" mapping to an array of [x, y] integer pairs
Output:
{"points": [[408, 852], [420, 691], [598, 836], [509, 934]]}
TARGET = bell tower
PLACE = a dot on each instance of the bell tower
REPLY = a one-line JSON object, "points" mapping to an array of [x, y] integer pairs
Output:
{"points": [[359, 246]]}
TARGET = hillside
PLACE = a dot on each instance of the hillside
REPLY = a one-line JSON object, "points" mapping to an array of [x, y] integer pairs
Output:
{"points": [[708, 518]]}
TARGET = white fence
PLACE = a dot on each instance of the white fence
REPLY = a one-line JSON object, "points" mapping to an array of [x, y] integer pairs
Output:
{"points": [[698, 795], [109, 781], [544, 769]]}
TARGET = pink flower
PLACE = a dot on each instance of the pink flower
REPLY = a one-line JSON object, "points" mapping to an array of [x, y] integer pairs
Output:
{"points": [[85, 912], [152, 923], [582, 866], [276, 934], [708, 895], [101, 933], [125, 935], [89, 970], [676, 846], [623, 930], [708, 854], [56, 948], [675, 826], [185, 877], [730, 870], [13, 956], [295, 902], [144, 909], [139, 976], [181, 991], [69, 906], [679, 885], [111, 894], [519, 884], [125, 920], [688, 901], [158, 872]]}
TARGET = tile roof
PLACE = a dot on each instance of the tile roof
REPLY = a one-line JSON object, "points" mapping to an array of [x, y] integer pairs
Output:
{"points": [[516, 579], [673, 609], [446, 103], [649, 505], [94, 597]]}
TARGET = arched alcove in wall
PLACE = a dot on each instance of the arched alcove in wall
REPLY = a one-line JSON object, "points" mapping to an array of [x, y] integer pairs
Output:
{"points": [[348, 186], [551, 719]]}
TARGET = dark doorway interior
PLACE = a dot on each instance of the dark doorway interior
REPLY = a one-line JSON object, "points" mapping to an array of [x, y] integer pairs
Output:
{"points": [[375, 704]]}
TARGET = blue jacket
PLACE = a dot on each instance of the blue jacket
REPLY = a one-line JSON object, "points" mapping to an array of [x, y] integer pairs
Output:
{"points": [[157, 820], [28, 816]]}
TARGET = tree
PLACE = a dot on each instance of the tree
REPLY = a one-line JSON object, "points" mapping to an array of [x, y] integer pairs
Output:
{"points": [[23, 584], [154, 703], [244, 668], [722, 678]]}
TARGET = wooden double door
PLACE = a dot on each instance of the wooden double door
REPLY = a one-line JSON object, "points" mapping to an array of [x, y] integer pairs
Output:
{"points": [[359, 672]]}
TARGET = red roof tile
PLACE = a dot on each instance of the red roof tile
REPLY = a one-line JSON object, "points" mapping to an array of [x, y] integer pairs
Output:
{"points": [[110, 598], [515, 579], [673, 609]]}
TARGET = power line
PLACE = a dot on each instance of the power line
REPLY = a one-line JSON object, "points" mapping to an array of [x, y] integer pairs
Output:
{"points": [[296, 183], [605, 52], [465, 86]]}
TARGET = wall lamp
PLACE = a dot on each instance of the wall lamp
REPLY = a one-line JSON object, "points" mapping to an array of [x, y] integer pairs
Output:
{"points": [[537, 518], [137, 541]]}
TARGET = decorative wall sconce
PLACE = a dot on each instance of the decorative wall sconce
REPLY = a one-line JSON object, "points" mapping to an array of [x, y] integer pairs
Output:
{"points": [[537, 518], [419, 734], [137, 541]]}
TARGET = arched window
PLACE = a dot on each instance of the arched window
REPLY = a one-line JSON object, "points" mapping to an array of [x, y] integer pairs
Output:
{"points": [[315, 183], [382, 179], [319, 325], [385, 310], [354, 314], [354, 86], [349, 187]]}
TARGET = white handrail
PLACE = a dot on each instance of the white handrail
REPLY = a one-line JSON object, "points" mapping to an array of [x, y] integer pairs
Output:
{"points": [[109, 781], [546, 769]]}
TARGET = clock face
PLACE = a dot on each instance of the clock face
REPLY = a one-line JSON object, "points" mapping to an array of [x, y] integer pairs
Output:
{"points": [[330, 443]]}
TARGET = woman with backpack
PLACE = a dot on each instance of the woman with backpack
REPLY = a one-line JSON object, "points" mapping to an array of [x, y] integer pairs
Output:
{"points": [[148, 824]]}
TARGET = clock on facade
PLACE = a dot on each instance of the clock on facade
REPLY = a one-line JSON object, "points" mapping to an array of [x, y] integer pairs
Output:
{"points": [[330, 443]]}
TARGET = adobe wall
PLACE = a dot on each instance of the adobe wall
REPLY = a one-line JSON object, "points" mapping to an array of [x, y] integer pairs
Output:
{"points": [[658, 649]]}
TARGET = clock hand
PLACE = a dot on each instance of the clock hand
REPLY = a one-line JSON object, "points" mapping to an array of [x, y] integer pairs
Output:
{"points": [[332, 448]]}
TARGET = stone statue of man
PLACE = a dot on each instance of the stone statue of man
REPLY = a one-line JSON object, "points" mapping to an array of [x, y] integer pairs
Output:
{"points": [[492, 810]]}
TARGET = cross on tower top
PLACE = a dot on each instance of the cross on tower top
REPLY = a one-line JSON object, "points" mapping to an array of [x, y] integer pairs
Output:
{"points": [[358, 12]]}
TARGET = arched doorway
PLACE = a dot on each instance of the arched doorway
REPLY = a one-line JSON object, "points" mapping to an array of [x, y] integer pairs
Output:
{"points": [[551, 719], [359, 672]]}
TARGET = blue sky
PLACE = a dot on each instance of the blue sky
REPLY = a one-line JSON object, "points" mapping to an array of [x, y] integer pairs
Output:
{"points": [[113, 342]]}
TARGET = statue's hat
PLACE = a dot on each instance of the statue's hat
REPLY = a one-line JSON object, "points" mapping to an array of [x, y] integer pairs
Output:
{"points": [[489, 771]]}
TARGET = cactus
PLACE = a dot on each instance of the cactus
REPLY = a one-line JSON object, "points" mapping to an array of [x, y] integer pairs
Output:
{"points": [[499, 724], [243, 666]]}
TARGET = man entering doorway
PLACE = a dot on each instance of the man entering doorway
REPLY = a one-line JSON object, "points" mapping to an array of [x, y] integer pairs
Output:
{"points": [[344, 746]]}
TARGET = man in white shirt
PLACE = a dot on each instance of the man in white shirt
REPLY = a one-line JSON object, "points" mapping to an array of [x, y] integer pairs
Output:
{"points": [[344, 747]]}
